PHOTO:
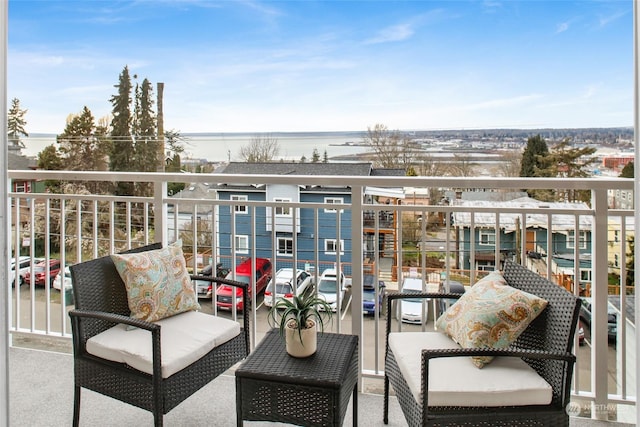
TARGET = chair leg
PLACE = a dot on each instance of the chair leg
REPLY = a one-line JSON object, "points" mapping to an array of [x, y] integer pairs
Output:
{"points": [[76, 406], [385, 416], [157, 418]]}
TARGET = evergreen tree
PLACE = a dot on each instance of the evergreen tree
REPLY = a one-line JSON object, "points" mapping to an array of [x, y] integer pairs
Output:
{"points": [[175, 146], [315, 157], [627, 171], [631, 261], [84, 146], [531, 157], [566, 162], [146, 141], [122, 153], [325, 158], [15, 125], [51, 159]]}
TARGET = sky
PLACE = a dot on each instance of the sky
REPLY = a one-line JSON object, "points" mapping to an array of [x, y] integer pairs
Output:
{"points": [[292, 66]]}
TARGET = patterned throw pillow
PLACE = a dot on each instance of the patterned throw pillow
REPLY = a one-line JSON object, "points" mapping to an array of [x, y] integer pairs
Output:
{"points": [[158, 283], [491, 314]]}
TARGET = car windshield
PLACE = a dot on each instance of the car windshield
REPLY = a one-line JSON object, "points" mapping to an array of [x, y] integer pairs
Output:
{"points": [[239, 278], [327, 286], [283, 288]]}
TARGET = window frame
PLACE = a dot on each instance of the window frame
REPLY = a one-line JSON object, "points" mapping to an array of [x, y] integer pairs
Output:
{"points": [[240, 209], [332, 251]]}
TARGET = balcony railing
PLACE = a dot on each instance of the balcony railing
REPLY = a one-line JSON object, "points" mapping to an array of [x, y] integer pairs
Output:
{"points": [[361, 237]]}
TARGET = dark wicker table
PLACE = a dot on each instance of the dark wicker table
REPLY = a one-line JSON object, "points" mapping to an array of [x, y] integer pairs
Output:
{"points": [[315, 391]]}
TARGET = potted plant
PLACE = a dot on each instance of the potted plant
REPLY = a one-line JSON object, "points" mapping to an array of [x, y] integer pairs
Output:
{"points": [[298, 320]]}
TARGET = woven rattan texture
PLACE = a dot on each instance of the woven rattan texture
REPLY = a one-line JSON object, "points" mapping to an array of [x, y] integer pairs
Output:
{"points": [[101, 302], [550, 340], [315, 391]]}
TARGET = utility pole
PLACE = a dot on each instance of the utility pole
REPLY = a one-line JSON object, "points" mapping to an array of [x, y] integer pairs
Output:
{"points": [[160, 130]]}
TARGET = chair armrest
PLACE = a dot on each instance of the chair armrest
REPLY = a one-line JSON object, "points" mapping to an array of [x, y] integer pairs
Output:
{"points": [[115, 318]]}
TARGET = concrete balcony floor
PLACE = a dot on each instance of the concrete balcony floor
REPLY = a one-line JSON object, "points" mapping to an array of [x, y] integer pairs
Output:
{"points": [[41, 394]]}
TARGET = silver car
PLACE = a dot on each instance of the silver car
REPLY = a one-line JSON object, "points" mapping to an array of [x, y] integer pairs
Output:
{"points": [[284, 285], [413, 310]]}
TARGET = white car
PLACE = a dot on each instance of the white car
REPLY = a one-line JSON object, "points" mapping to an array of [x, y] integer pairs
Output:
{"points": [[284, 286], [24, 264], [57, 282], [413, 310], [328, 288]]}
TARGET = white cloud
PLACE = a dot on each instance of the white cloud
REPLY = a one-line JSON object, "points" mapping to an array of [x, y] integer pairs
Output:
{"points": [[562, 27], [392, 34]]}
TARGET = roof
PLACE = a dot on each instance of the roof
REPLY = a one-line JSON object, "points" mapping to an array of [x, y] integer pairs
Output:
{"points": [[509, 221], [18, 162], [292, 168]]}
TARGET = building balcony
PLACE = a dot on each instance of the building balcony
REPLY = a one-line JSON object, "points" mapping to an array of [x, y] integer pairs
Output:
{"points": [[584, 248]]}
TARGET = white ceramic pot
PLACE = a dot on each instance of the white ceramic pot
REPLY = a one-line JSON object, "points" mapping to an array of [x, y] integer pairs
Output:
{"points": [[304, 348]]}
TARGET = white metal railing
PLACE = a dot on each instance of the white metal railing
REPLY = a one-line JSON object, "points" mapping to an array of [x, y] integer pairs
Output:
{"points": [[79, 226]]}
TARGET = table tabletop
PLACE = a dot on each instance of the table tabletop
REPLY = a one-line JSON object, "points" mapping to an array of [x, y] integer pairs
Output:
{"points": [[328, 367]]}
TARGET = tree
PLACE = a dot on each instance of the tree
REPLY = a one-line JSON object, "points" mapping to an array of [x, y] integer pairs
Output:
{"points": [[462, 165], [15, 125], [631, 261], [531, 157], [51, 159], [175, 147], [566, 162], [511, 164], [261, 149], [390, 148], [315, 157], [144, 126], [123, 152], [325, 157], [627, 171], [85, 146]]}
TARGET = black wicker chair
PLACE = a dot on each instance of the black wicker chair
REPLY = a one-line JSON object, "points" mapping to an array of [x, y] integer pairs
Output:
{"points": [[546, 345], [101, 303]]}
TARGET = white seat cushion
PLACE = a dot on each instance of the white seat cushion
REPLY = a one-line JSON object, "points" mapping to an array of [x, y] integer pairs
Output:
{"points": [[456, 381], [184, 338]]}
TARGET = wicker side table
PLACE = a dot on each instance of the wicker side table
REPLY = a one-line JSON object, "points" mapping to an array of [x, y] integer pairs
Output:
{"points": [[273, 386]]}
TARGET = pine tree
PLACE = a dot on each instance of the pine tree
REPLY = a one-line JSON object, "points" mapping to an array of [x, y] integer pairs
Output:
{"points": [[146, 141], [627, 171], [15, 125], [315, 157], [531, 157], [122, 153], [325, 158]]}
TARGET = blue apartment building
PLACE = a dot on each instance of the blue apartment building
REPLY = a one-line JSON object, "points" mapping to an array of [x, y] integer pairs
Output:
{"points": [[276, 232]]}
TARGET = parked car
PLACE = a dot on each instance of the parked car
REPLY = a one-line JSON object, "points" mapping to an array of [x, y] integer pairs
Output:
{"points": [[40, 271], [60, 279], [282, 286], [204, 288], [369, 294], [24, 263], [612, 324], [224, 298], [413, 310], [328, 288]]}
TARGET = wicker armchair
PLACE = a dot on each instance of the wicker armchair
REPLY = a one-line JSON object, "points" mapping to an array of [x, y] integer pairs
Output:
{"points": [[101, 303], [545, 346]]}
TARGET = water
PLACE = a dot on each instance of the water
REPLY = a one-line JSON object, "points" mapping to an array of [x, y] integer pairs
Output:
{"points": [[218, 147]]}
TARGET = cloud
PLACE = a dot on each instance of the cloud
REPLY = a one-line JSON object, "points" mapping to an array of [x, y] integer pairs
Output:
{"points": [[606, 20], [394, 33], [562, 27]]}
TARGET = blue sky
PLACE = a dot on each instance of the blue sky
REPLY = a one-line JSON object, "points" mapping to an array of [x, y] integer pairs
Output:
{"points": [[266, 66]]}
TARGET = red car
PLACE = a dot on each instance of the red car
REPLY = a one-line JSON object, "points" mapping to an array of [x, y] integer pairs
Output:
{"points": [[243, 274], [40, 271]]}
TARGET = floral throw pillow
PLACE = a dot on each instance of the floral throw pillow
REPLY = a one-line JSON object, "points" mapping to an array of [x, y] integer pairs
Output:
{"points": [[157, 282], [491, 314]]}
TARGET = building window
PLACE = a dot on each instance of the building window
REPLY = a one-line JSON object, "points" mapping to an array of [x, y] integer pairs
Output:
{"points": [[485, 265], [616, 260], [333, 201], [285, 246], [282, 210], [22, 187], [330, 246], [616, 236], [571, 240], [487, 237], [239, 209], [242, 244]]}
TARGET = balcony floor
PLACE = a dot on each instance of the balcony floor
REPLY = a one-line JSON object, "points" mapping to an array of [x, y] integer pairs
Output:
{"points": [[42, 395]]}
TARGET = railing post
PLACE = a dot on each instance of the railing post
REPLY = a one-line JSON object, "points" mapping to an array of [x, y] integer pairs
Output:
{"points": [[357, 230], [160, 212], [4, 211], [600, 300]]}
